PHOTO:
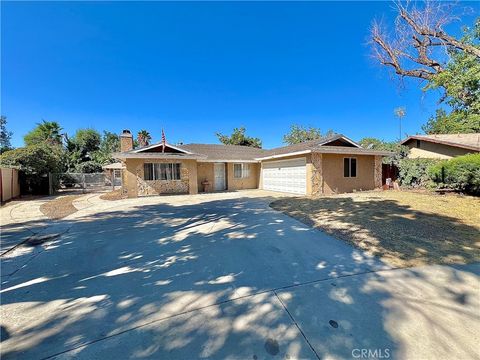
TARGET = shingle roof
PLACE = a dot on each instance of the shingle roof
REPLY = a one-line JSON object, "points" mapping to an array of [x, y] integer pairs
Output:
{"points": [[467, 141], [307, 145], [224, 152], [220, 152]]}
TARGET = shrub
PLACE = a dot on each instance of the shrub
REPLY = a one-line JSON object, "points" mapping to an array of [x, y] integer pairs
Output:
{"points": [[461, 173], [414, 172], [34, 162]]}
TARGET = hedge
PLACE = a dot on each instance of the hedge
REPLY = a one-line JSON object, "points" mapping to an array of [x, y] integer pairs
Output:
{"points": [[414, 172], [461, 173]]}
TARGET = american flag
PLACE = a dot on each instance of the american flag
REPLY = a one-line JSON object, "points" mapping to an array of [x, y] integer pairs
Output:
{"points": [[164, 140]]}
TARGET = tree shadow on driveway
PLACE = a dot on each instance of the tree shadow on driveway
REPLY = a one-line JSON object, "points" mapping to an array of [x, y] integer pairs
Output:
{"points": [[165, 281]]}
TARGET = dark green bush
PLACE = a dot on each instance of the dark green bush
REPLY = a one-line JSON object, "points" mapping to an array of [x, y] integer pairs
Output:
{"points": [[414, 172], [34, 162], [461, 173]]}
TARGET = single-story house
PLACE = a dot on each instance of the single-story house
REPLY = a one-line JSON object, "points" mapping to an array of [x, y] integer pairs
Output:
{"points": [[442, 146], [333, 164]]}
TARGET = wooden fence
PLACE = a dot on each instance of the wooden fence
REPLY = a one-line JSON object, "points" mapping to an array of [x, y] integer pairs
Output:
{"points": [[9, 184]]}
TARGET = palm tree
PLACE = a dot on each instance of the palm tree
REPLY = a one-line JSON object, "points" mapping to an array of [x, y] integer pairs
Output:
{"points": [[46, 131], [143, 137]]}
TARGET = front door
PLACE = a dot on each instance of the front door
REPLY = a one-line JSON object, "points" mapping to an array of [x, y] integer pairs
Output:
{"points": [[219, 181]]}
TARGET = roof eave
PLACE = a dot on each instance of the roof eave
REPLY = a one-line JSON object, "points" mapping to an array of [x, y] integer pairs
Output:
{"points": [[352, 150], [207, 160], [142, 149], [443, 142], [340, 136], [303, 152], [124, 156]]}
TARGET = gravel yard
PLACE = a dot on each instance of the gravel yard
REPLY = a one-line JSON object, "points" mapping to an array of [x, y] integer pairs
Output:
{"points": [[60, 207]]}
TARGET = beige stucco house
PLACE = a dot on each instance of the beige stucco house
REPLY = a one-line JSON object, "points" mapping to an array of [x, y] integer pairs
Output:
{"points": [[333, 164], [442, 146]]}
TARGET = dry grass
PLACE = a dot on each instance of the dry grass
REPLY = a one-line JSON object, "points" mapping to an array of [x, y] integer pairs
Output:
{"points": [[59, 207], [403, 228], [113, 195]]}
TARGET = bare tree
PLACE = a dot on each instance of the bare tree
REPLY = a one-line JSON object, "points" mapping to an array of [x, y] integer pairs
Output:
{"points": [[419, 45]]}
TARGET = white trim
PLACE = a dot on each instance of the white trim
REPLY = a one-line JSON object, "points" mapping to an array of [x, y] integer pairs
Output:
{"points": [[344, 138], [154, 155], [227, 161], [350, 151], [277, 161], [161, 144], [284, 155]]}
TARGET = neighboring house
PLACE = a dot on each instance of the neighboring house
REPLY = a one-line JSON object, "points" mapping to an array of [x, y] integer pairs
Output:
{"points": [[442, 146], [333, 164]]}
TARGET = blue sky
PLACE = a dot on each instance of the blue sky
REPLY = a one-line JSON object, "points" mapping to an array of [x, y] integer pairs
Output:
{"points": [[198, 68]]}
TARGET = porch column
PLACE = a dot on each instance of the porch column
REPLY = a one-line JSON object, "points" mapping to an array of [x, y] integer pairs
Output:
{"points": [[377, 177], [192, 177], [316, 177]]}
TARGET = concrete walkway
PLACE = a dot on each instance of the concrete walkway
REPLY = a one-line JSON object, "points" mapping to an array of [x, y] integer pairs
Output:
{"points": [[20, 220], [223, 276]]}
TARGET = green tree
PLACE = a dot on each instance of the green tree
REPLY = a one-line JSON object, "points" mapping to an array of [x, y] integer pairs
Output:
{"points": [[45, 132], [110, 144], [460, 81], [399, 151], [371, 143], [144, 138], [5, 135], [35, 161], [238, 137], [299, 134], [82, 147], [88, 140], [417, 50], [454, 123]]}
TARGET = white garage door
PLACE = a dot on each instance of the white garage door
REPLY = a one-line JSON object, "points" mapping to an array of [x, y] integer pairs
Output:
{"points": [[285, 176]]}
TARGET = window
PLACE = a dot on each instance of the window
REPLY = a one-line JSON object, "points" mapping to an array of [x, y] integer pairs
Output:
{"points": [[241, 171], [170, 171], [418, 144], [349, 167]]}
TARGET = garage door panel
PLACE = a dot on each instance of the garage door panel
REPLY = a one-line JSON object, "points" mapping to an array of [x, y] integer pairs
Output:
{"points": [[285, 176]]}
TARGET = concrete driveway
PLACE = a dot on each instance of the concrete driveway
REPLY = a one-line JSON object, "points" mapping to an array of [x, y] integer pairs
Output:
{"points": [[221, 276]]}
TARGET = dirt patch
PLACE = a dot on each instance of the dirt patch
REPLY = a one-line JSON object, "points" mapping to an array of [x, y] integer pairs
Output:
{"points": [[113, 195], [403, 228], [59, 207]]}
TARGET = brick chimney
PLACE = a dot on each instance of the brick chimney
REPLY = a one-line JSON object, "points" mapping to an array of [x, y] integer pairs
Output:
{"points": [[126, 141]]}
